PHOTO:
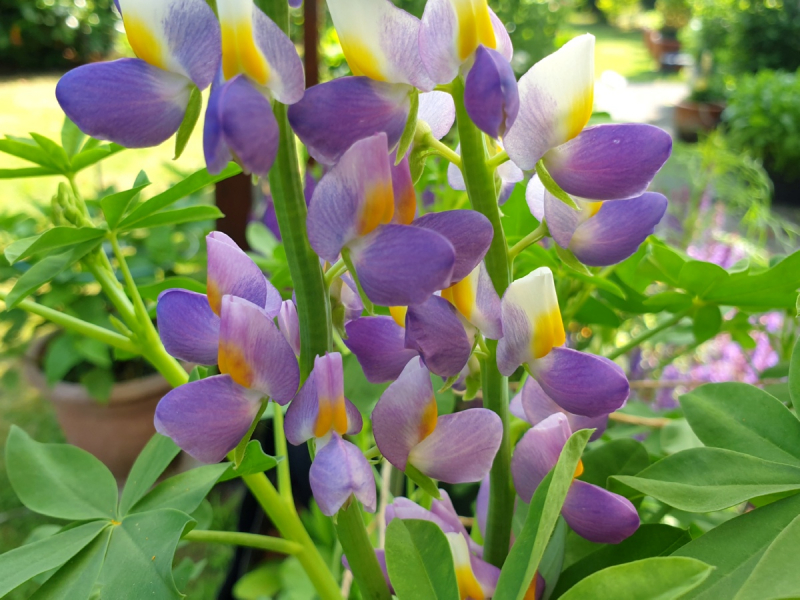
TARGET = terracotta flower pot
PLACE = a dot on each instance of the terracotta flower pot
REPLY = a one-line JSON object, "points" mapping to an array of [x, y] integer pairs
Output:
{"points": [[691, 118], [114, 432]]}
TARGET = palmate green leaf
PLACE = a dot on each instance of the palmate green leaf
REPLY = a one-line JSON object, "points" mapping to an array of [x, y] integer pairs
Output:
{"points": [[419, 561], [663, 578], [667, 262], [736, 547], [255, 461], [59, 480], [617, 457], [193, 183], [115, 205], [26, 173], [189, 121], [139, 559], [707, 322], [670, 301], [56, 238], [597, 281], [46, 269], [93, 154], [190, 214], [707, 479], [595, 312], [774, 288], [649, 541], [150, 464], [699, 277], [77, 577], [21, 564], [776, 575], [526, 554], [57, 154], [182, 492], [27, 150], [72, 138], [743, 418], [794, 375]]}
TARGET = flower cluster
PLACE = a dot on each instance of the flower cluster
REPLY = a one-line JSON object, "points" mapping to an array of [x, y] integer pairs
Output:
{"points": [[442, 307]]}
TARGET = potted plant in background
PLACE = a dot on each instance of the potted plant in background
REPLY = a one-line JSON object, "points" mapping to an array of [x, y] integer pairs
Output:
{"points": [[104, 398]]}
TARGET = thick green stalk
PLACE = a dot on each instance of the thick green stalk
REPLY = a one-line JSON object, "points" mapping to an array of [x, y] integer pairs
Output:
{"points": [[482, 192], [358, 549], [313, 307], [71, 323], [249, 540], [282, 451], [291, 528]]}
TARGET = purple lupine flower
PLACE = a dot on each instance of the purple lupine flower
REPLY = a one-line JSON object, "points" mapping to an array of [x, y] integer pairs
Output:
{"points": [[141, 102], [455, 448], [606, 162], [209, 417], [289, 324], [533, 335], [451, 33], [592, 512], [259, 63], [491, 96], [321, 412], [360, 206], [602, 233], [189, 323], [533, 405]]}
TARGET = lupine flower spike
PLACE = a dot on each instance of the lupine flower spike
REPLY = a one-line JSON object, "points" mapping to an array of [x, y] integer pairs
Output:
{"points": [[259, 64], [321, 412], [455, 448], [533, 334], [592, 512], [141, 102]]}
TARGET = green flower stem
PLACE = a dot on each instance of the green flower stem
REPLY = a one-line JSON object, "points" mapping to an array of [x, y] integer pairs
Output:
{"points": [[357, 547], [368, 306], [282, 451], [66, 321], [648, 334], [336, 269], [534, 236], [249, 540], [482, 192], [288, 523], [498, 159], [441, 149], [313, 307]]}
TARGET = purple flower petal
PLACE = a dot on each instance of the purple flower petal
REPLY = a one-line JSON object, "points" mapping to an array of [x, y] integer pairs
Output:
{"points": [[405, 196], [287, 81], [254, 352], [537, 453], [562, 220], [478, 302], [462, 447], [610, 162], [182, 36], [532, 324], [534, 196], [438, 110], [403, 508], [582, 383], [617, 230], [405, 415], [379, 346], [188, 327], [289, 325], [125, 101], [435, 331], [598, 515], [239, 119], [537, 406], [490, 94], [340, 471], [232, 272], [555, 102], [487, 575], [207, 418], [510, 175], [468, 231], [332, 116], [352, 199], [399, 265], [379, 40], [503, 40]]}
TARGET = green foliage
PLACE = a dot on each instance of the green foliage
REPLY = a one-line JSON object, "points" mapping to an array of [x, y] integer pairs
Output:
{"points": [[765, 35], [763, 119], [675, 14], [664, 578], [419, 561], [618, 10], [57, 34]]}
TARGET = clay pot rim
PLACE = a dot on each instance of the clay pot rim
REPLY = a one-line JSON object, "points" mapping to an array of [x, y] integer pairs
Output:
{"points": [[126, 392], [693, 105]]}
